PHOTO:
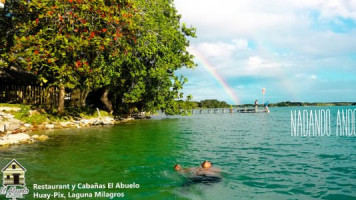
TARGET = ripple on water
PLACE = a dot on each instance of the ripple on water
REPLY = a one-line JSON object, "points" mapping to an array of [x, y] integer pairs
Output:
{"points": [[258, 157], [339, 197]]}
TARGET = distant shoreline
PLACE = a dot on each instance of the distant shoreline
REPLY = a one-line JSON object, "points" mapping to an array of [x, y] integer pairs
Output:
{"points": [[305, 104], [222, 104]]}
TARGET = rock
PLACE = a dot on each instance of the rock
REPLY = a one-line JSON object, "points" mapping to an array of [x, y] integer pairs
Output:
{"points": [[108, 121], [20, 137], [4, 143], [35, 136], [98, 122], [64, 124], [127, 119], [7, 109], [14, 124], [2, 127], [85, 121], [42, 138], [9, 125], [14, 139], [41, 126], [6, 115], [49, 126], [27, 125], [140, 115], [34, 112], [23, 129]]}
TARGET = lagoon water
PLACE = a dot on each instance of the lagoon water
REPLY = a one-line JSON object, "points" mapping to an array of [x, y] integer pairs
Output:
{"points": [[256, 152]]}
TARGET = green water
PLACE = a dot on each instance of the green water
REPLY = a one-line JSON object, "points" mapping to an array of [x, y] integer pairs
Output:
{"points": [[258, 157]]}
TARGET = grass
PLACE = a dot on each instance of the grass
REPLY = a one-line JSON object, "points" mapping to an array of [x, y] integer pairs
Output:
{"points": [[11, 105], [36, 116]]}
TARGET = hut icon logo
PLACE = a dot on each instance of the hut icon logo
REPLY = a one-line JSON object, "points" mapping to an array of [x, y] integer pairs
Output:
{"points": [[14, 186], [14, 174]]}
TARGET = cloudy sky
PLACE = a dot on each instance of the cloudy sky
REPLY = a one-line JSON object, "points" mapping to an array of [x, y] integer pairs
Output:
{"points": [[299, 50]]}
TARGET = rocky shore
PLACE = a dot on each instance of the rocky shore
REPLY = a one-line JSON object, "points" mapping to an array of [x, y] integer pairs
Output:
{"points": [[14, 131]]}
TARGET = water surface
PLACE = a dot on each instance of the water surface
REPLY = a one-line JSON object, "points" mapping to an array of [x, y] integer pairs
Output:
{"points": [[258, 156]]}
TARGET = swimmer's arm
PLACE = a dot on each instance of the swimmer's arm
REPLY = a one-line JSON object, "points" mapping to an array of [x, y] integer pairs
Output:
{"points": [[189, 170], [215, 170]]}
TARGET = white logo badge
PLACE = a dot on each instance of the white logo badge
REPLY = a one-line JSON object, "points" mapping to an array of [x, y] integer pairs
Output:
{"points": [[14, 186]]}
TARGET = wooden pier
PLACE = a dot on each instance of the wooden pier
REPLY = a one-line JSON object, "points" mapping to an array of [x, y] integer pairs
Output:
{"points": [[225, 110]]}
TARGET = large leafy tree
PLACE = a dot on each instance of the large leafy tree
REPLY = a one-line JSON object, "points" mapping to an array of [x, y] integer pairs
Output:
{"points": [[65, 42], [147, 80], [132, 49]]}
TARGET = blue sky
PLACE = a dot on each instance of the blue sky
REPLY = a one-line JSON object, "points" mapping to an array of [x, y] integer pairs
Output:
{"points": [[299, 50]]}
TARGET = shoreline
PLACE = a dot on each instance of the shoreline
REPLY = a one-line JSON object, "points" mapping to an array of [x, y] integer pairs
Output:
{"points": [[14, 131]]}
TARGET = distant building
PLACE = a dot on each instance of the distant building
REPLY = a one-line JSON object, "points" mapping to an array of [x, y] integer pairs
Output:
{"points": [[13, 174]]}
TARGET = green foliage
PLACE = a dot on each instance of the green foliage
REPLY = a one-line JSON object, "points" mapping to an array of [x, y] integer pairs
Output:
{"points": [[11, 105], [35, 118], [147, 80], [213, 103], [39, 116], [22, 113], [294, 104], [131, 47], [68, 42]]}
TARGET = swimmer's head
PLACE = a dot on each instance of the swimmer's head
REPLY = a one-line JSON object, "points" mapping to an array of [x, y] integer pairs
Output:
{"points": [[177, 167], [206, 164]]}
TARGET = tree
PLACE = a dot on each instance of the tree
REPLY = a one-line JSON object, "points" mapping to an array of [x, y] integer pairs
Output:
{"points": [[213, 103], [129, 49], [65, 42], [147, 80]]}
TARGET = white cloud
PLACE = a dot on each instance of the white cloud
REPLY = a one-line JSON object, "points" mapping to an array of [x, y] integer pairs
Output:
{"points": [[216, 49], [239, 17], [257, 66], [297, 42], [240, 43], [306, 76], [330, 8]]}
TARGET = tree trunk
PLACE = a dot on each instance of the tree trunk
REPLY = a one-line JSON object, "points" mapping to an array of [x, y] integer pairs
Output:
{"points": [[83, 97], [104, 98], [62, 93]]}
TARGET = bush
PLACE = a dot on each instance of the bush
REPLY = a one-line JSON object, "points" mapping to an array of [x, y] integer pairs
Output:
{"points": [[35, 118]]}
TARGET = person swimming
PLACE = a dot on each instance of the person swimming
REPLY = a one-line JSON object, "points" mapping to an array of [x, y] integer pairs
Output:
{"points": [[207, 169], [205, 174], [206, 165], [177, 167]]}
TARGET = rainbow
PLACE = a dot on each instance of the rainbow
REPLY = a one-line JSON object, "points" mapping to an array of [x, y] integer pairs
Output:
{"points": [[210, 68]]}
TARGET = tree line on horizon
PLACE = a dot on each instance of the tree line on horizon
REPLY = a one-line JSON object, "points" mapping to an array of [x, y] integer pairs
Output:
{"points": [[290, 104], [297, 104], [128, 50], [214, 103]]}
